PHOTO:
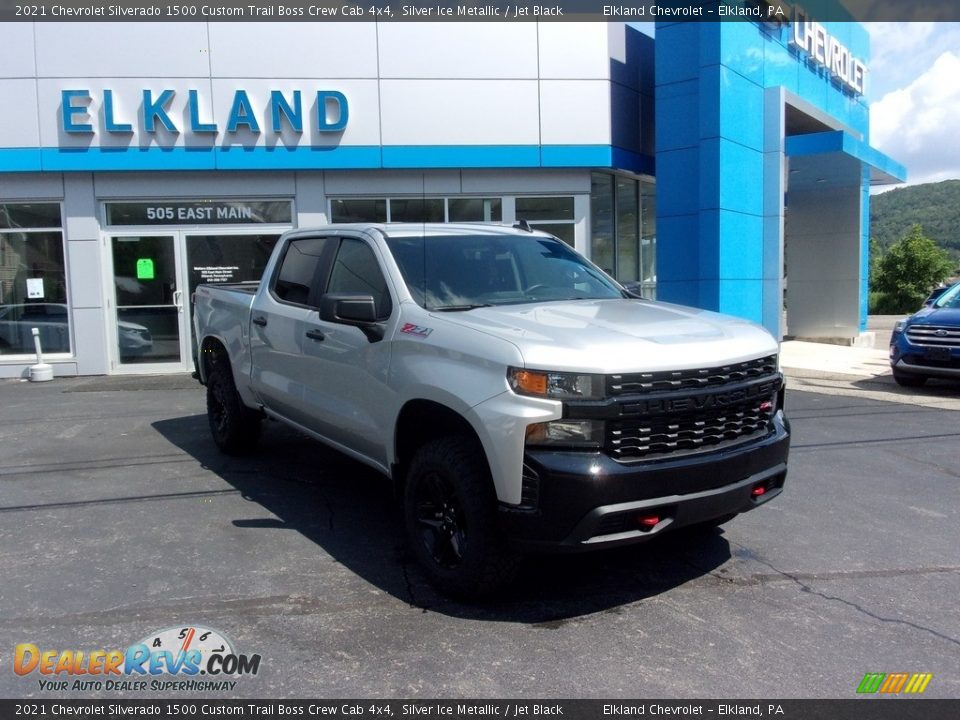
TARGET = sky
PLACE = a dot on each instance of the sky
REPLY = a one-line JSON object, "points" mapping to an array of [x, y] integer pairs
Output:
{"points": [[914, 90]]}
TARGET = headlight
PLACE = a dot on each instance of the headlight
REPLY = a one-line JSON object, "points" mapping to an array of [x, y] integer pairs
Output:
{"points": [[566, 433], [559, 386], [899, 326]]}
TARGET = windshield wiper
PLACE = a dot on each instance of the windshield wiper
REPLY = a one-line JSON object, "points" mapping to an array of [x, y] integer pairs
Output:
{"points": [[460, 308]]}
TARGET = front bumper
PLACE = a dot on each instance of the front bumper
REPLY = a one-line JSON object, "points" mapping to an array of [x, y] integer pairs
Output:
{"points": [[588, 500], [931, 358]]}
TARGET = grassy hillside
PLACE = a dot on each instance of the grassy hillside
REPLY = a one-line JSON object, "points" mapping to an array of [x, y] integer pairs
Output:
{"points": [[936, 206]]}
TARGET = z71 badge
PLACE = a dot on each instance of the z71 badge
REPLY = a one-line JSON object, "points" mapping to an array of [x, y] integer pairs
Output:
{"points": [[418, 330]]}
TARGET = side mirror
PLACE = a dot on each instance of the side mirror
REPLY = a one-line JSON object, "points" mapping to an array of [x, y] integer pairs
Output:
{"points": [[634, 289], [360, 311], [348, 309]]}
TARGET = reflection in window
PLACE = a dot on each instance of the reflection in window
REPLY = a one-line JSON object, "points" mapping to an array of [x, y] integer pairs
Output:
{"points": [[475, 209], [416, 209], [358, 210], [299, 269], [623, 222], [554, 215], [33, 281], [356, 271]]}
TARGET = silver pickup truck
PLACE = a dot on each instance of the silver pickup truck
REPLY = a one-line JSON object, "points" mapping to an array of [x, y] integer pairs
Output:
{"points": [[519, 399]]}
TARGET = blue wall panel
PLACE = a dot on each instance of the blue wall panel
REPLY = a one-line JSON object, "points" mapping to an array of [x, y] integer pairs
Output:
{"points": [[732, 261]]}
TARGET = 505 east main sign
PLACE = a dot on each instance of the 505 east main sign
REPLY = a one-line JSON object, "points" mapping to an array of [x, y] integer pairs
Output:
{"points": [[323, 111]]}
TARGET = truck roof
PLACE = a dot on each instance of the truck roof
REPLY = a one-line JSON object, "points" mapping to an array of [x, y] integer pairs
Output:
{"points": [[431, 228]]}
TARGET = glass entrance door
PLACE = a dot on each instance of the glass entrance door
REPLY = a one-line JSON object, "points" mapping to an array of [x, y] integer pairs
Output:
{"points": [[149, 326]]}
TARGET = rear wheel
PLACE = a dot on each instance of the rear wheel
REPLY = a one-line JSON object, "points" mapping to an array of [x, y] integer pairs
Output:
{"points": [[234, 426], [450, 512], [906, 380]]}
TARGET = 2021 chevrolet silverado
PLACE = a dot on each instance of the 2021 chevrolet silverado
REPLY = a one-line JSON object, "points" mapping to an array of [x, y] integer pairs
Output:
{"points": [[519, 398]]}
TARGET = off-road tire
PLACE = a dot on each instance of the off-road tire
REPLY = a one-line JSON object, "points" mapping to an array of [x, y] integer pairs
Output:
{"points": [[235, 427], [450, 514]]}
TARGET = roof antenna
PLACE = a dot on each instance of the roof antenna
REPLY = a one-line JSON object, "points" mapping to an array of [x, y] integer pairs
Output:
{"points": [[522, 224]]}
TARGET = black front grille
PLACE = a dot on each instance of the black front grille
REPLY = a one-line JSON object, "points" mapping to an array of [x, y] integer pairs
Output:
{"points": [[934, 335], [667, 380], [669, 435]]}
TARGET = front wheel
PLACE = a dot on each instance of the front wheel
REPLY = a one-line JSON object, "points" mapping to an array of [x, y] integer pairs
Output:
{"points": [[450, 513], [906, 380], [234, 426]]}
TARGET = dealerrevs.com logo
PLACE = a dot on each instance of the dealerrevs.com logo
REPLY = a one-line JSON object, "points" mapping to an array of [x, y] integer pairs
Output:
{"points": [[169, 660]]}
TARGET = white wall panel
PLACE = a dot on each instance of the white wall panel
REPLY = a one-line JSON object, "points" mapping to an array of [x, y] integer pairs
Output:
{"points": [[458, 50], [81, 221], [16, 50], [293, 50], [574, 50], [194, 185], [392, 182], [86, 283], [575, 112], [126, 49], [530, 182], [22, 95], [459, 112], [31, 186]]}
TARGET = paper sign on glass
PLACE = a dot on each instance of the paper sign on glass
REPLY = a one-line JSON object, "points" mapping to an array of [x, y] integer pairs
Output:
{"points": [[35, 288]]}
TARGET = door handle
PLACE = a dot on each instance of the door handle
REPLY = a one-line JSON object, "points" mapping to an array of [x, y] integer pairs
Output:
{"points": [[259, 320], [178, 300], [315, 335]]}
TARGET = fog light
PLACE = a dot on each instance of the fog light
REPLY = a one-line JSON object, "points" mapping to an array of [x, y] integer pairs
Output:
{"points": [[649, 521], [566, 433], [758, 490]]}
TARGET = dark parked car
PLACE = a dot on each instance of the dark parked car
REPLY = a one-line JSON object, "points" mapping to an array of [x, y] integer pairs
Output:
{"points": [[927, 344], [934, 294]]}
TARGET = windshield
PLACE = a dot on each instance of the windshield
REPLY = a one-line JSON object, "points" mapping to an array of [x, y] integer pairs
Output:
{"points": [[447, 272], [949, 299]]}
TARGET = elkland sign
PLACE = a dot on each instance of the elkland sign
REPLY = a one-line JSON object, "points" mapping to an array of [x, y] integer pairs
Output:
{"points": [[83, 113]]}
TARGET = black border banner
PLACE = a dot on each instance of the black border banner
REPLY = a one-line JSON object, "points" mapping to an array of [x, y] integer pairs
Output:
{"points": [[864, 708], [770, 11]]}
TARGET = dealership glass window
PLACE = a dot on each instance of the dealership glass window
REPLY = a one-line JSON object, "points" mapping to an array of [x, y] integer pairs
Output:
{"points": [[648, 238], [358, 210], [33, 279], [554, 215], [416, 210], [623, 229], [475, 209], [602, 217], [419, 209]]}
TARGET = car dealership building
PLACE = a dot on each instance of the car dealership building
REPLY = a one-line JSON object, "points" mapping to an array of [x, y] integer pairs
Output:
{"points": [[140, 159]]}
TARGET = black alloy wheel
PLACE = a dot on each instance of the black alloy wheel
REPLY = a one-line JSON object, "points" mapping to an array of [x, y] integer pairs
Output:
{"points": [[441, 520]]}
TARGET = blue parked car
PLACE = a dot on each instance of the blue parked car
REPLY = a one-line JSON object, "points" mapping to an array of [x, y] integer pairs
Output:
{"points": [[927, 344]]}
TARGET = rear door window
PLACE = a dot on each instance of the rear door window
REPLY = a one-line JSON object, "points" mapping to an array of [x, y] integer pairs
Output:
{"points": [[303, 268]]}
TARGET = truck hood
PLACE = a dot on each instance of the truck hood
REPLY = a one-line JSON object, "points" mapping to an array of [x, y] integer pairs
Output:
{"points": [[614, 336]]}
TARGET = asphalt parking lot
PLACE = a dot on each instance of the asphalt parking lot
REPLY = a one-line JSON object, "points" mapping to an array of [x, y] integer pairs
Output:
{"points": [[118, 518]]}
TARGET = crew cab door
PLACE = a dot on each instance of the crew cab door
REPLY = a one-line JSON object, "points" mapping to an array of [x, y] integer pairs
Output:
{"points": [[346, 367], [281, 315]]}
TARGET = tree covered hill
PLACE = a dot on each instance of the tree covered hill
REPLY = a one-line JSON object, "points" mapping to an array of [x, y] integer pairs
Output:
{"points": [[936, 206]]}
